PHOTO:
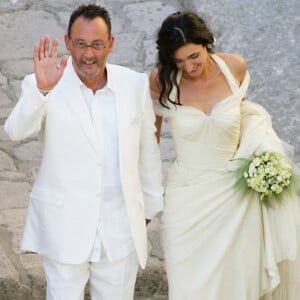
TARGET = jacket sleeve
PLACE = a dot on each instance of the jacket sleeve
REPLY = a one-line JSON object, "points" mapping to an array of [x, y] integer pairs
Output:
{"points": [[27, 116], [150, 166]]}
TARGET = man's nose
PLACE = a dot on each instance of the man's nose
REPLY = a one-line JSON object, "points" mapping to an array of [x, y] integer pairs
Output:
{"points": [[89, 51]]}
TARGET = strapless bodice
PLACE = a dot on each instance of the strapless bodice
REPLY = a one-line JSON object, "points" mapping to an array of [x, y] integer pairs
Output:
{"points": [[206, 140]]}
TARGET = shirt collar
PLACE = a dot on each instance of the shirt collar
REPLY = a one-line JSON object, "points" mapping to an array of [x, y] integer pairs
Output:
{"points": [[109, 83]]}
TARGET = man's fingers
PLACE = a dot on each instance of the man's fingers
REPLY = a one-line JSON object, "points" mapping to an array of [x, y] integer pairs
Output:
{"points": [[36, 54], [42, 48], [54, 50], [47, 46], [63, 61]]}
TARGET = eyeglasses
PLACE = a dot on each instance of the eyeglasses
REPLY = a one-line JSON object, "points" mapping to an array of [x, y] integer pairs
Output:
{"points": [[97, 45]]}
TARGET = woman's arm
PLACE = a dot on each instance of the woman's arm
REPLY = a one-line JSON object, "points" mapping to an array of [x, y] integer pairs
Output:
{"points": [[158, 123], [155, 91]]}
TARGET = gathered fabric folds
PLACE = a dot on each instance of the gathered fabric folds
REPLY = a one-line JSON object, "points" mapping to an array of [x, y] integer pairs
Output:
{"points": [[280, 223]]}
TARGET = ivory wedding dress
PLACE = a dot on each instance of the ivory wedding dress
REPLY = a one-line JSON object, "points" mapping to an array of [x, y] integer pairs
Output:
{"points": [[219, 242]]}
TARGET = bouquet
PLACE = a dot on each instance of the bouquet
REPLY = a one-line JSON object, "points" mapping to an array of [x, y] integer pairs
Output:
{"points": [[269, 174]]}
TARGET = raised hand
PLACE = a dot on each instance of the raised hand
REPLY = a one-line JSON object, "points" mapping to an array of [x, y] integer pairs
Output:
{"points": [[46, 69]]}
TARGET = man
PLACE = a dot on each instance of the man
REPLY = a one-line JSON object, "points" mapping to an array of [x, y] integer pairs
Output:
{"points": [[100, 174]]}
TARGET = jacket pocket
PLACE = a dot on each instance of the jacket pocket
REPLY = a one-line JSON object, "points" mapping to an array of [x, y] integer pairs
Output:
{"points": [[47, 196]]}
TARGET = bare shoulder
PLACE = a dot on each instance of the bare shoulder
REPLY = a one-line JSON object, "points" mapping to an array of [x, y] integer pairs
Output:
{"points": [[236, 63], [154, 84]]}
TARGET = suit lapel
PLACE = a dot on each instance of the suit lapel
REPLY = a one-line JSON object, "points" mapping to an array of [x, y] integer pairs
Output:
{"points": [[116, 85], [76, 102]]}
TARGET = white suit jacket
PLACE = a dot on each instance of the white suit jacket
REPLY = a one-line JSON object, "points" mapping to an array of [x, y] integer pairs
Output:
{"points": [[63, 210]]}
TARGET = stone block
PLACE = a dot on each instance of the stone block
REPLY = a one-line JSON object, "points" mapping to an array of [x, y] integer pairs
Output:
{"points": [[14, 194], [6, 163]]}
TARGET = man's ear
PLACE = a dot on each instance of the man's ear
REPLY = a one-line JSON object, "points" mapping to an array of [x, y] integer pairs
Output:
{"points": [[67, 42], [111, 43]]}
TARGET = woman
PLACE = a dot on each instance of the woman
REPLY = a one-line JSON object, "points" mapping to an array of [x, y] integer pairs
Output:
{"points": [[219, 241]]}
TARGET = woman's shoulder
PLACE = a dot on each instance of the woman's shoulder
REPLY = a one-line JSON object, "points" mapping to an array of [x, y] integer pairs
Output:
{"points": [[236, 63]]}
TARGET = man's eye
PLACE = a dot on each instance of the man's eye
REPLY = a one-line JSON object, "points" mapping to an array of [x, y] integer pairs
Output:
{"points": [[97, 44], [81, 44]]}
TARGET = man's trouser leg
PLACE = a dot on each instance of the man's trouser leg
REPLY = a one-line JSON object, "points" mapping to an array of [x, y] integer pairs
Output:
{"points": [[108, 280]]}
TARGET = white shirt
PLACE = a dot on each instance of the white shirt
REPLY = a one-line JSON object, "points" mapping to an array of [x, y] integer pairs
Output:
{"points": [[113, 239]]}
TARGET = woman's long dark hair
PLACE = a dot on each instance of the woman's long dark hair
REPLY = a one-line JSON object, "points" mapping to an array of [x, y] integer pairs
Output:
{"points": [[177, 30]]}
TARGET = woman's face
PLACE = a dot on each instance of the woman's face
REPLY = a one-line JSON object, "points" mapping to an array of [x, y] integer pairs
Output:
{"points": [[191, 59]]}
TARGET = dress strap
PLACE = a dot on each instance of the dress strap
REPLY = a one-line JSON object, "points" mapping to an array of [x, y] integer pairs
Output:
{"points": [[234, 86]]}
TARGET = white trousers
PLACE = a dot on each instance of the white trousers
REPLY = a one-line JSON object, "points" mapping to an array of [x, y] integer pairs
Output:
{"points": [[107, 280]]}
